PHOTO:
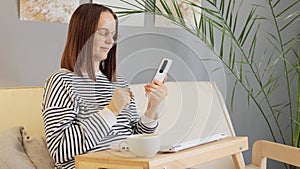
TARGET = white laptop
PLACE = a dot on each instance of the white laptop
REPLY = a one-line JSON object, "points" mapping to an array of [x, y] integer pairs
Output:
{"points": [[193, 114], [191, 143], [182, 136], [199, 118]]}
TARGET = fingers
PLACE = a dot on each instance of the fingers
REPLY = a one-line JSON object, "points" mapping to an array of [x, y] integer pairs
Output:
{"points": [[165, 79], [155, 81], [120, 99], [161, 84], [157, 94], [125, 94], [156, 85], [155, 89]]}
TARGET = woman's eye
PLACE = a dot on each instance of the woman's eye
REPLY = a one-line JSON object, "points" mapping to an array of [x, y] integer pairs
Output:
{"points": [[103, 33]]}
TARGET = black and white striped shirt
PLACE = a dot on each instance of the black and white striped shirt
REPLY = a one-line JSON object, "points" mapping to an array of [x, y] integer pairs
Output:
{"points": [[77, 121]]}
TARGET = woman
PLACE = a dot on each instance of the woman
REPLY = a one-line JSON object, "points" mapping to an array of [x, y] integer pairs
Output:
{"points": [[86, 106]]}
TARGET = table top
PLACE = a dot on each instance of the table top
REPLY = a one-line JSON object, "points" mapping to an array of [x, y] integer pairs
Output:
{"points": [[206, 152]]}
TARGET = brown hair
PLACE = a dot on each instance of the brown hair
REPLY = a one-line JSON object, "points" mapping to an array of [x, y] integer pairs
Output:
{"points": [[79, 45]]}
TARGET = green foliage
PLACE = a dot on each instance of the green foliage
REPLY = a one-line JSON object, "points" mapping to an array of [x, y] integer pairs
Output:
{"points": [[237, 49]]}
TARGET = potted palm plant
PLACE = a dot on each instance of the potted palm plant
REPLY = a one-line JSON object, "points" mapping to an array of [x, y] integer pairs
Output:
{"points": [[234, 39]]}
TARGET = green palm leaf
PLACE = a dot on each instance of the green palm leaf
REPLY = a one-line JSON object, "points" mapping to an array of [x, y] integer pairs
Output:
{"points": [[237, 49]]}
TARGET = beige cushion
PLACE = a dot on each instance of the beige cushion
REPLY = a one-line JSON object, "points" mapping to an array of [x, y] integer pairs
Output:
{"points": [[12, 154], [22, 106], [36, 149]]}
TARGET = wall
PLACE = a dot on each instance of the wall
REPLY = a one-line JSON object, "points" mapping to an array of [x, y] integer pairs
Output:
{"points": [[247, 119], [30, 51]]}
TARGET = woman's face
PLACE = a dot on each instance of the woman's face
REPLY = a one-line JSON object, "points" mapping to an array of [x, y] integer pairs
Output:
{"points": [[103, 40]]}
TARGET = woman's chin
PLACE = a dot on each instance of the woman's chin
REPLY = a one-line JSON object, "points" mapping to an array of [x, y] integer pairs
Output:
{"points": [[100, 56]]}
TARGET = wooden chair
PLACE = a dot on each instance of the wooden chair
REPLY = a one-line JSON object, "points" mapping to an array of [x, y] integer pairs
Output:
{"points": [[265, 149]]}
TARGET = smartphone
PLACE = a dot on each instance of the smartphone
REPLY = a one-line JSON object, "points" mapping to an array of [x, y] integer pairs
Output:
{"points": [[163, 69]]}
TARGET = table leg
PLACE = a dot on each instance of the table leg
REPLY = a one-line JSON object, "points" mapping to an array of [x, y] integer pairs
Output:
{"points": [[238, 161]]}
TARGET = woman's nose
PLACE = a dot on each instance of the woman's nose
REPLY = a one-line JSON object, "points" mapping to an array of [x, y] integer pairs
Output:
{"points": [[110, 39]]}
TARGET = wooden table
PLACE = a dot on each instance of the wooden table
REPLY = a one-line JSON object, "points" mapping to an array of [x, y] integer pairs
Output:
{"points": [[113, 159]]}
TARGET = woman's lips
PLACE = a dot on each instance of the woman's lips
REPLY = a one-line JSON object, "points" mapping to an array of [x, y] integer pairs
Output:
{"points": [[105, 49]]}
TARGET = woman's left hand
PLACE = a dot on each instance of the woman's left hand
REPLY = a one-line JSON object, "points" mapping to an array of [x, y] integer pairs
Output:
{"points": [[156, 92]]}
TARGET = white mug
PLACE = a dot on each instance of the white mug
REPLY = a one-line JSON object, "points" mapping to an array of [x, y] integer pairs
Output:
{"points": [[142, 145]]}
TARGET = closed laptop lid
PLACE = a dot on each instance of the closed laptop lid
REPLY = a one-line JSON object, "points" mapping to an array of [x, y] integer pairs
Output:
{"points": [[193, 113]]}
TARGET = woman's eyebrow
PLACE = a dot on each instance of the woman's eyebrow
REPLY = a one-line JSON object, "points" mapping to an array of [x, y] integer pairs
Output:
{"points": [[106, 29]]}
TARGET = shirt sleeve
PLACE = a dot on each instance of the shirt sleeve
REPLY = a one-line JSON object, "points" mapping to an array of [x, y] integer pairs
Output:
{"points": [[108, 116], [67, 136], [140, 124], [149, 122]]}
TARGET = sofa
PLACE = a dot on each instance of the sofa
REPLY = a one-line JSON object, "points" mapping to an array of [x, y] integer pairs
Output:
{"points": [[22, 141]]}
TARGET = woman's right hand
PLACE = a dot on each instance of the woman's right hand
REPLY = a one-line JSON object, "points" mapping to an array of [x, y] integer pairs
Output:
{"points": [[120, 99]]}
